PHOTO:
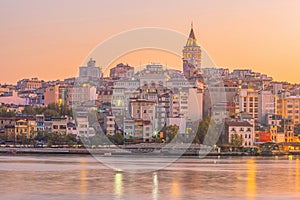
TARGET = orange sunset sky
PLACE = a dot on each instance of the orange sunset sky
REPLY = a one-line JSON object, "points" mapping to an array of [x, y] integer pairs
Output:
{"points": [[50, 39]]}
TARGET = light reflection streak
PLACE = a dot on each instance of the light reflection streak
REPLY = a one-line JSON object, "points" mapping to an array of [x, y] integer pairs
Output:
{"points": [[83, 182], [118, 186], [155, 186], [251, 179], [175, 191], [297, 186]]}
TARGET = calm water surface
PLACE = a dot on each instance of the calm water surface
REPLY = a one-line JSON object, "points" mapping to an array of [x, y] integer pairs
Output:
{"points": [[82, 177]]}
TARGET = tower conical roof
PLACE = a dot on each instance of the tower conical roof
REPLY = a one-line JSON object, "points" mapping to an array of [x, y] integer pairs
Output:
{"points": [[192, 41]]}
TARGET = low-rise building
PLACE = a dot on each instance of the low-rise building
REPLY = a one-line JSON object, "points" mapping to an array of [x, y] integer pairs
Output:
{"points": [[59, 124], [243, 129], [27, 127]]}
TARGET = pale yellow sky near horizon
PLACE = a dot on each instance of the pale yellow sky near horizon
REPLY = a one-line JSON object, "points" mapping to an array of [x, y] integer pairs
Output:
{"points": [[51, 39]]}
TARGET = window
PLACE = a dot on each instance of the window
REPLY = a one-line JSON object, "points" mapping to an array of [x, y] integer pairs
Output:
{"points": [[248, 129], [62, 127], [241, 129]]}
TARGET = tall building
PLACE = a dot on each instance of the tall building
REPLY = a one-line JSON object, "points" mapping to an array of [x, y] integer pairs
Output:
{"points": [[191, 56], [248, 102], [289, 107], [266, 105], [51, 94]]}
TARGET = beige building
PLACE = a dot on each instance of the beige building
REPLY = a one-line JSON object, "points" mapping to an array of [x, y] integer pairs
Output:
{"points": [[80, 94], [282, 131], [59, 124], [289, 107], [142, 109], [110, 124], [29, 84], [248, 102]]}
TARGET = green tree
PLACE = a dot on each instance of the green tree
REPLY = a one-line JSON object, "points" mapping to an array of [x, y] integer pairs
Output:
{"points": [[29, 110], [236, 140], [3, 137], [49, 112], [4, 112], [208, 132], [71, 139], [202, 129], [53, 109], [171, 132], [117, 138]]}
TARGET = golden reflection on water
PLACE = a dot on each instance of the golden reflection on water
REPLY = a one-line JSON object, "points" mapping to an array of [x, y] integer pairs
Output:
{"points": [[251, 179], [118, 186], [175, 191], [83, 182], [155, 186], [297, 186]]}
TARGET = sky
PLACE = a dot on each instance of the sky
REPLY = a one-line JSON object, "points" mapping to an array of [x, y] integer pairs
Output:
{"points": [[50, 39]]}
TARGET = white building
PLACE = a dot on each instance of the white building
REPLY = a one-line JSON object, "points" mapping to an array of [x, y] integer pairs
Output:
{"points": [[241, 128]]}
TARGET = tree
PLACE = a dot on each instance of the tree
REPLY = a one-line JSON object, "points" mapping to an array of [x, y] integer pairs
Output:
{"points": [[3, 137], [53, 109], [236, 140], [117, 138], [202, 129], [71, 140], [29, 110], [49, 112], [171, 132], [4, 112]]}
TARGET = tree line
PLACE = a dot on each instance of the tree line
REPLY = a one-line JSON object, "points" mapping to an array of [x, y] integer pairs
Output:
{"points": [[52, 109]]}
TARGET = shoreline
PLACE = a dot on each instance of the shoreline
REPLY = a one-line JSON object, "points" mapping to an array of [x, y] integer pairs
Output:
{"points": [[140, 151]]}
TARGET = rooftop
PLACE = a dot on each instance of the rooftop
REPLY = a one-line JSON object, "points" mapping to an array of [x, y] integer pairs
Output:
{"points": [[238, 123]]}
